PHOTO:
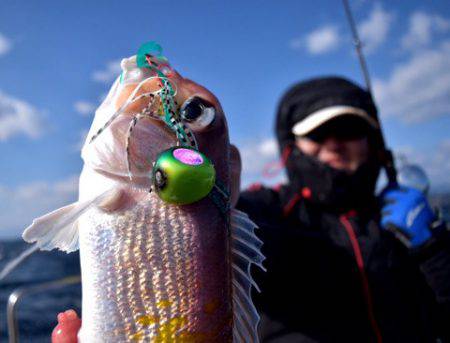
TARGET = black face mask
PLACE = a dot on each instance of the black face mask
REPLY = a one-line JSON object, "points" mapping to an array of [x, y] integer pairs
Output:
{"points": [[331, 188]]}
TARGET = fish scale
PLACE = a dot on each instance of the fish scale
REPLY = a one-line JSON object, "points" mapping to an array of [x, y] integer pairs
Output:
{"points": [[148, 281]]}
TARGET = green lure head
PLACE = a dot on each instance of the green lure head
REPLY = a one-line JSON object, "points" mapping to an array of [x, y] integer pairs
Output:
{"points": [[183, 175]]}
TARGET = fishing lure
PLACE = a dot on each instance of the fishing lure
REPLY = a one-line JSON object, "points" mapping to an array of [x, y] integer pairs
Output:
{"points": [[176, 182], [183, 176]]}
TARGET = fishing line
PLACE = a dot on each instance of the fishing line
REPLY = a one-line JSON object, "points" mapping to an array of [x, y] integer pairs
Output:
{"points": [[169, 107], [11, 265], [131, 99]]}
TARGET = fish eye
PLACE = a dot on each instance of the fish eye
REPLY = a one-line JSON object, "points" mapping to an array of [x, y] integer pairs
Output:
{"points": [[197, 112]]}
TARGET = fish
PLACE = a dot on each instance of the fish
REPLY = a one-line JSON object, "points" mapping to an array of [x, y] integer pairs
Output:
{"points": [[155, 269]]}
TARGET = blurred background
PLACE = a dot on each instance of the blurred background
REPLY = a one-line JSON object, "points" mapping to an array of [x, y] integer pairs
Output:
{"points": [[59, 58]]}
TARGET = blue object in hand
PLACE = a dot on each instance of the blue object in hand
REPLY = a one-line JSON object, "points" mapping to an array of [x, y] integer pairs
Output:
{"points": [[407, 213]]}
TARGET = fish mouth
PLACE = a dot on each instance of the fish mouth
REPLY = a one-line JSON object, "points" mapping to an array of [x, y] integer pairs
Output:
{"points": [[149, 138], [128, 155]]}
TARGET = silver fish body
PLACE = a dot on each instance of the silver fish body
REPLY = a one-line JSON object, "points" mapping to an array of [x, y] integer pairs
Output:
{"points": [[156, 272]]}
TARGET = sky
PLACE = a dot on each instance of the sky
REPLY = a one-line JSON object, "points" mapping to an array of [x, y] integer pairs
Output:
{"points": [[59, 58]]}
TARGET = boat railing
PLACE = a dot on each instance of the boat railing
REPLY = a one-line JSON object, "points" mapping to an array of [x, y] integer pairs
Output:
{"points": [[18, 294]]}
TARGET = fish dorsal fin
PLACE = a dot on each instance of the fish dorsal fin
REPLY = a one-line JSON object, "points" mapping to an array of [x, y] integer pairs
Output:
{"points": [[59, 228], [245, 251]]}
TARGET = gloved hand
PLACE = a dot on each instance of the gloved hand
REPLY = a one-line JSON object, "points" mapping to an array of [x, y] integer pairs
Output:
{"points": [[407, 213]]}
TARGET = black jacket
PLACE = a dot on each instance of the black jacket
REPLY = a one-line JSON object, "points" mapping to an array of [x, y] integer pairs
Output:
{"points": [[340, 278]]}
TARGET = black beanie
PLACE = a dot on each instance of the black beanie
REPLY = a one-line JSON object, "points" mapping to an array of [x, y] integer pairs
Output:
{"points": [[312, 95]]}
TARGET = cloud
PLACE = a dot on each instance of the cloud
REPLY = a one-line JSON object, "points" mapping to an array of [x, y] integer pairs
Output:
{"points": [[419, 88], [19, 117], [256, 156], [20, 205], [85, 108], [319, 41], [422, 26], [109, 74], [374, 30], [5, 44]]}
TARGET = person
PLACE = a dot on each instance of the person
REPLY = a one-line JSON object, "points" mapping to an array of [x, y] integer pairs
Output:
{"points": [[336, 268]]}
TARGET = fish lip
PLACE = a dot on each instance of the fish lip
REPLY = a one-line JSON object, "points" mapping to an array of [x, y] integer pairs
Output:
{"points": [[152, 136], [155, 129], [161, 125]]}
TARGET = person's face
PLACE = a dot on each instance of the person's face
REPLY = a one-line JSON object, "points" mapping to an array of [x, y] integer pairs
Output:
{"points": [[341, 143]]}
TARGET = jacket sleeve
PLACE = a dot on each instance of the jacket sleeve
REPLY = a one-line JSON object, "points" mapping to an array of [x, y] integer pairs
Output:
{"points": [[434, 261]]}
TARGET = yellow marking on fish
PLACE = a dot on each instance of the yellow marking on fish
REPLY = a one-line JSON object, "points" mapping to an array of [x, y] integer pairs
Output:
{"points": [[211, 307], [138, 336], [147, 320], [167, 332], [163, 303]]}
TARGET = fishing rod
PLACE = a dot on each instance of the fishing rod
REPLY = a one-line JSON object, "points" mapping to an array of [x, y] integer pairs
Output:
{"points": [[387, 157]]}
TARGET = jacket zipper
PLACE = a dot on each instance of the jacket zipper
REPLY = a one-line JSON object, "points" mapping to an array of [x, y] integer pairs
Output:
{"points": [[363, 276]]}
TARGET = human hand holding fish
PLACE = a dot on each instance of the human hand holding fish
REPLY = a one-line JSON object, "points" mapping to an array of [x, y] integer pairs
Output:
{"points": [[164, 257]]}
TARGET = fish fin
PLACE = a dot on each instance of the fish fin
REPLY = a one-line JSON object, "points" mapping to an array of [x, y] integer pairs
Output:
{"points": [[245, 251], [59, 228]]}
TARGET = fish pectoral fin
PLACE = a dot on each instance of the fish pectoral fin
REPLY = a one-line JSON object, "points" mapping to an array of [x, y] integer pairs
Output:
{"points": [[112, 201], [59, 228], [246, 250]]}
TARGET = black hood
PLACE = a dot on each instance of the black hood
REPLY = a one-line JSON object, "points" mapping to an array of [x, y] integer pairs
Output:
{"points": [[327, 186]]}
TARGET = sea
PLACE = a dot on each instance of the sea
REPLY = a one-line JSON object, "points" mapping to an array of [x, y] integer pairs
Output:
{"points": [[36, 313]]}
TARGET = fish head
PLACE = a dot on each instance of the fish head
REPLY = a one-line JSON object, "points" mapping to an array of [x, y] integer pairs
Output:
{"points": [[127, 148]]}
